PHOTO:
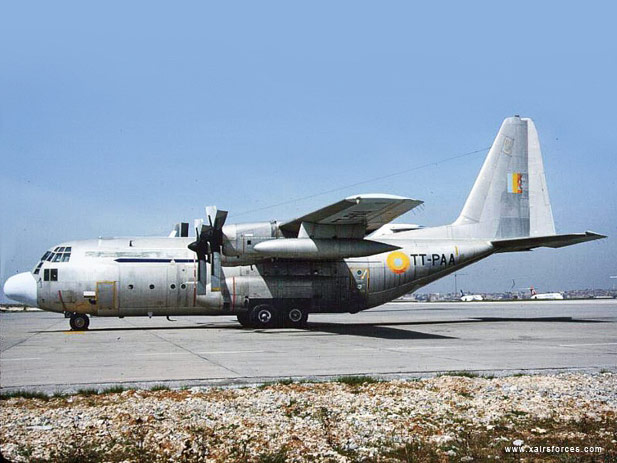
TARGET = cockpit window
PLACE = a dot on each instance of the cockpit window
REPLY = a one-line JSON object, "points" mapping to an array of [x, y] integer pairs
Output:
{"points": [[63, 254], [59, 254]]}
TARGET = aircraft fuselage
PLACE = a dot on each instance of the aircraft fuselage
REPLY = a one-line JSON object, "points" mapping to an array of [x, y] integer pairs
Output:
{"points": [[159, 276]]}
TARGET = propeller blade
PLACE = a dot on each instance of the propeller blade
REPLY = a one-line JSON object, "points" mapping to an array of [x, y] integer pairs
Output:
{"points": [[211, 214], [208, 244], [219, 221], [215, 217], [217, 271]]}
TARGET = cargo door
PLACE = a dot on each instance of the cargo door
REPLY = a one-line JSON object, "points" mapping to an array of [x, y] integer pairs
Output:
{"points": [[106, 298]]}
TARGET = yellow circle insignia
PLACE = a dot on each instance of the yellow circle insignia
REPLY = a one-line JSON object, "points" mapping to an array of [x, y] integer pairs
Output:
{"points": [[398, 262]]}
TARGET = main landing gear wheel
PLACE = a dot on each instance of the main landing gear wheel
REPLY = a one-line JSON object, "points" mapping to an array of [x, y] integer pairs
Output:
{"points": [[296, 317], [79, 322], [245, 320], [264, 316]]}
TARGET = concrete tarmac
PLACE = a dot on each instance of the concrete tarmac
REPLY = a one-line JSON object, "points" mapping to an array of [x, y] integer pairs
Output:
{"points": [[38, 351]]}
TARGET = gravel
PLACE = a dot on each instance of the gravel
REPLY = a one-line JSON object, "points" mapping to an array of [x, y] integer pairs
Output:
{"points": [[309, 421]]}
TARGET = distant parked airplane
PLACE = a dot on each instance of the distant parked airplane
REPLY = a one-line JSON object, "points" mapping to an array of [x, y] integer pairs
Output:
{"points": [[545, 296], [470, 297]]}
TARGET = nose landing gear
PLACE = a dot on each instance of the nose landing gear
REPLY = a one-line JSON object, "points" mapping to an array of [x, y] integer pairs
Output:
{"points": [[79, 322]]}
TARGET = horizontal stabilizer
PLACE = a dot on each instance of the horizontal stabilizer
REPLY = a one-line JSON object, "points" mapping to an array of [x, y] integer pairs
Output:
{"points": [[550, 241]]}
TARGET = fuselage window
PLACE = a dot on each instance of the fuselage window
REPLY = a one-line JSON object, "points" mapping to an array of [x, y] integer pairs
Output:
{"points": [[46, 274], [183, 286], [131, 286], [151, 286], [173, 286]]}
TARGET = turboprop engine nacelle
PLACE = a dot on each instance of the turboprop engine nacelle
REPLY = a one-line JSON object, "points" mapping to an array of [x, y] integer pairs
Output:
{"points": [[239, 241]]}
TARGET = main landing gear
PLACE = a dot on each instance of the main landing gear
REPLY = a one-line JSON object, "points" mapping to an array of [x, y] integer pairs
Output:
{"points": [[266, 316], [79, 322]]}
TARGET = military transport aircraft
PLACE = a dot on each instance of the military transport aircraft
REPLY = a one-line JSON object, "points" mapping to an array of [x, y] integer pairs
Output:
{"points": [[346, 257]]}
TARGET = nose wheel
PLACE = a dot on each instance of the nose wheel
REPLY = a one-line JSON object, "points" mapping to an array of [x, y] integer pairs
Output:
{"points": [[79, 322]]}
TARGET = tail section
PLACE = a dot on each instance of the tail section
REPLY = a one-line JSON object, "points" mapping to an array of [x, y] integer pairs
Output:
{"points": [[508, 204], [509, 198]]}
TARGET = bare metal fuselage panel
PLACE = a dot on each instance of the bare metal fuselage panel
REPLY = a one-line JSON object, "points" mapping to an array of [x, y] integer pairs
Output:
{"points": [[132, 277]]}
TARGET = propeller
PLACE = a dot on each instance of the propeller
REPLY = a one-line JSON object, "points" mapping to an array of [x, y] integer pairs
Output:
{"points": [[209, 243]]}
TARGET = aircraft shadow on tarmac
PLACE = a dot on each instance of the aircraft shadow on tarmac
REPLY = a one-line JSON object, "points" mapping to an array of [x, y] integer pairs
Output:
{"points": [[387, 330]]}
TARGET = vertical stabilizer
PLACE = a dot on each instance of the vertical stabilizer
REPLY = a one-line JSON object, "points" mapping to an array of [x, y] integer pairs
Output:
{"points": [[509, 198]]}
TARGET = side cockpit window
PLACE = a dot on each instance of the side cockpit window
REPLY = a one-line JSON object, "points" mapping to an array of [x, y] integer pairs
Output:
{"points": [[50, 274], [45, 257], [59, 254]]}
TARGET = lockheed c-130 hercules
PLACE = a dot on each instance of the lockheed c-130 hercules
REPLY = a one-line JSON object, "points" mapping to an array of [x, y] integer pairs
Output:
{"points": [[346, 257]]}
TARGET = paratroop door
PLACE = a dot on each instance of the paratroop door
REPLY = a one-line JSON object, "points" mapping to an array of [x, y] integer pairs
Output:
{"points": [[106, 298]]}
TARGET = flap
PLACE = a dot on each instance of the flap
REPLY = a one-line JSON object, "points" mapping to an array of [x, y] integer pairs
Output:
{"points": [[370, 211]]}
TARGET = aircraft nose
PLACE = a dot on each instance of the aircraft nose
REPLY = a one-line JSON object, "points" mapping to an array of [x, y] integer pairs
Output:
{"points": [[21, 288]]}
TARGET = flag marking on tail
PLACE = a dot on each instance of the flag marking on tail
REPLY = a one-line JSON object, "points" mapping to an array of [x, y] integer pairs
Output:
{"points": [[515, 183]]}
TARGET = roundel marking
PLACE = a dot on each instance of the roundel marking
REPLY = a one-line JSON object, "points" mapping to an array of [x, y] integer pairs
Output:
{"points": [[398, 262]]}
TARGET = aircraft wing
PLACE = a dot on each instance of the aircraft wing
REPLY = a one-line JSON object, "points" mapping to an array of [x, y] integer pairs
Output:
{"points": [[550, 241], [369, 211]]}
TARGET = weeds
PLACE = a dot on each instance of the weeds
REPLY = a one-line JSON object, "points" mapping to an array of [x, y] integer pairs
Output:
{"points": [[281, 382], [159, 387], [87, 392], [356, 380], [464, 374], [113, 390], [23, 394]]}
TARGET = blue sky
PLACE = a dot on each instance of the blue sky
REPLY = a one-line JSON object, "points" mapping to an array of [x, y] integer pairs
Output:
{"points": [[122, 118]]}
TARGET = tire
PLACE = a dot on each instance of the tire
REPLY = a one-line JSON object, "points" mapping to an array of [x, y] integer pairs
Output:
{"points": [[79, 322], [264, 316], [296, 317], [245, 320]]}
